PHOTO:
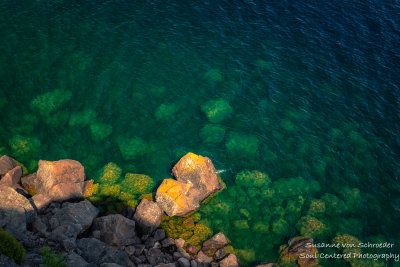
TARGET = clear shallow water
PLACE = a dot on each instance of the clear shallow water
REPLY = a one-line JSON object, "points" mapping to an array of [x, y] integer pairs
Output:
{"points": [[313, 88]]}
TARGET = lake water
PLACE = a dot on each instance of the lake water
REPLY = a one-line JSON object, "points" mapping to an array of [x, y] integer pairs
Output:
{"points": [[304, 91]]}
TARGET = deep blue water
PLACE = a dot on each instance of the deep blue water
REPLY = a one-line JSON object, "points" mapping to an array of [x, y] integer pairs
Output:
{"points": [[316, 83]]}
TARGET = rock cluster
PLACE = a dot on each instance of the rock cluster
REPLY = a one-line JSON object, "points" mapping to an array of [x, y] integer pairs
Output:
{"points": [[59, 217], [196, 179]]}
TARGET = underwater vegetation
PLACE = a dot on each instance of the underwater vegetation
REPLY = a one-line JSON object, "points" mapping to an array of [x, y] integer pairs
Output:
{"points": [[296, 144]]}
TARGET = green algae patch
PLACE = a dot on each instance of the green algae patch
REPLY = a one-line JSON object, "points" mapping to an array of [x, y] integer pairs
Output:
{"points": [[137, 184], [217, 110], [10, 247]]}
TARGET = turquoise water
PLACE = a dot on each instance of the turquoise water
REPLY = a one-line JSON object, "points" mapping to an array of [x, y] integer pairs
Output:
{"points": [[307, 94]]}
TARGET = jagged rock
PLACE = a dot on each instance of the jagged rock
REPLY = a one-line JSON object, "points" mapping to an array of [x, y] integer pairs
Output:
{"points": [[6, 261], [201, 257], [12, 177], [173, 197], [147, 216], [97, 252], [116, 230], [130, 250], [6, 164], [230, 261], [15, 210], [198, 171], [214, 243]]}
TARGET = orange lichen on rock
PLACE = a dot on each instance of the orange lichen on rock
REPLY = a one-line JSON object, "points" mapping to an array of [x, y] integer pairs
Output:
{"points": [[199, 171], [90, 188], [172, 196]]}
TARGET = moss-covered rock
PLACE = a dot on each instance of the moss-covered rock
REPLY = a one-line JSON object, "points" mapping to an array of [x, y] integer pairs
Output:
{"points": [[49, 102], [132, 148], [312, 227], [110, 173], [217, 110], [211, 133], [166, 112], [252, 178], [100, 131], [137, 184], [242, 145]]}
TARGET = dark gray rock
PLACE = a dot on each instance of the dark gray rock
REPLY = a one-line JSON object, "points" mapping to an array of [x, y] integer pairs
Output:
{"points": [[130, 250], [167, 242], [183, 262], [39, 226], [193, 263], [116, 230], [171, 264], [15, 210], [154, 256], [110, 265], [74, 259], [97, 252], [147, 216], [6, 164], [6, 261], [159, 234], [81, 213], [139, 249]]}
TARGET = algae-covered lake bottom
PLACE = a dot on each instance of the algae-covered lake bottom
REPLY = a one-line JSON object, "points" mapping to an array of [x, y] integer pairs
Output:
{"points": [[297, 103]]}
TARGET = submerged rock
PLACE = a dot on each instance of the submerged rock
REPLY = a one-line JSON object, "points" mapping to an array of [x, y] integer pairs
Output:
{"points": [[299, 246]]}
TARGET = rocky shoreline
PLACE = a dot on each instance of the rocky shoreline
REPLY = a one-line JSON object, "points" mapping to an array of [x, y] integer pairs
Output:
{"points": [[58, 216]]}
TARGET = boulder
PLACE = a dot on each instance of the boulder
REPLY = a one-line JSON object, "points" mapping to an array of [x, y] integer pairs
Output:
{"points": [[230, 261], [6, 164], [214, 243], [116, 230], [200, 172], [97, 252], [12, 177], [173, 197], [15, 211], [60, 180], [147, 216], [40, 202]]}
